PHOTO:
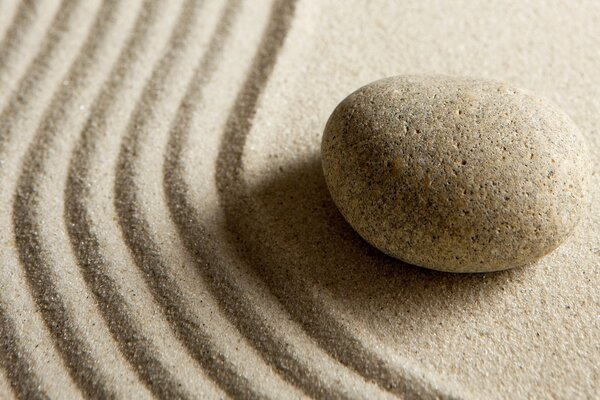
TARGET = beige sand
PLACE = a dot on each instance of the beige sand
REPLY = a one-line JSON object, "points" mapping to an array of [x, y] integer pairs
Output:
{"points": [[166, 230]]}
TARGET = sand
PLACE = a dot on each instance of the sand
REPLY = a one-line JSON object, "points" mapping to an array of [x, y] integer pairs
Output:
{"points": [[166, 230]]}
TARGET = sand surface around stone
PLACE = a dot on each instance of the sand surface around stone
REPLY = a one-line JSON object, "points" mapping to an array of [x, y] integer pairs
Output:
{"points": [[166, 230]]}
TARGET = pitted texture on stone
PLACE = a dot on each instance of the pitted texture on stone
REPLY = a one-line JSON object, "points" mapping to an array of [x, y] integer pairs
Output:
{"points": [[455, 174]]}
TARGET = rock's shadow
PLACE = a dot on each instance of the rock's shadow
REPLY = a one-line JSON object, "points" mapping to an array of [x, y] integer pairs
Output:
{"points": [[298, 238]]}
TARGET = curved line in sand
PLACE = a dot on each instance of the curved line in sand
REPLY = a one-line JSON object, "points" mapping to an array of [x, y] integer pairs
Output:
{"points": [[42, 263], [35, 68], [174, 187], [105, 290], [23, 380], [19, 370], [115, 310], [223, 286], [114, 306], [16, 37], [326, 330], [62, 27], [30, 214], [137, 229], [8, 13]]}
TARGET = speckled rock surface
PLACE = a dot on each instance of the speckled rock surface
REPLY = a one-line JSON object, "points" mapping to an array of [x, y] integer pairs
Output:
{"points": [[455, 174]]}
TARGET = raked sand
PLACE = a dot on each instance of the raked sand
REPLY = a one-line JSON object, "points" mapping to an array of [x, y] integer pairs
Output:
{"points": [[165, 229]]}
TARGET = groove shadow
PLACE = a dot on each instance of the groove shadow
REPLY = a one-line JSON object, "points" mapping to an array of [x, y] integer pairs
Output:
{"points": [[293, 232], [19, 371], [22, 22], [191, 230], [237, 205], [39, 274], [136, 229], [81, 229]]}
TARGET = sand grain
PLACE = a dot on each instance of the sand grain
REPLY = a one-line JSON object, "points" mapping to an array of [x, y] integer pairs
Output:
{"points": [[167, 232]]}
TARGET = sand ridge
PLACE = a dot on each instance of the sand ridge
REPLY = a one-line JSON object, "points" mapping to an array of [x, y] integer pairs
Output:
{"points": [[166, 231]]}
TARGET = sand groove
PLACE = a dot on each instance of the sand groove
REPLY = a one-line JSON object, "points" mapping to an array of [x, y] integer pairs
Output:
{"points": [[62, 43], [144, 226], [233, 199], [45, 255], [8, 10], [28, 29], [165, 231], [243, 309], [103, 272]]}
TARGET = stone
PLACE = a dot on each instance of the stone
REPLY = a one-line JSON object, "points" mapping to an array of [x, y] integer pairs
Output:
{"points": [[455, 174]]}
